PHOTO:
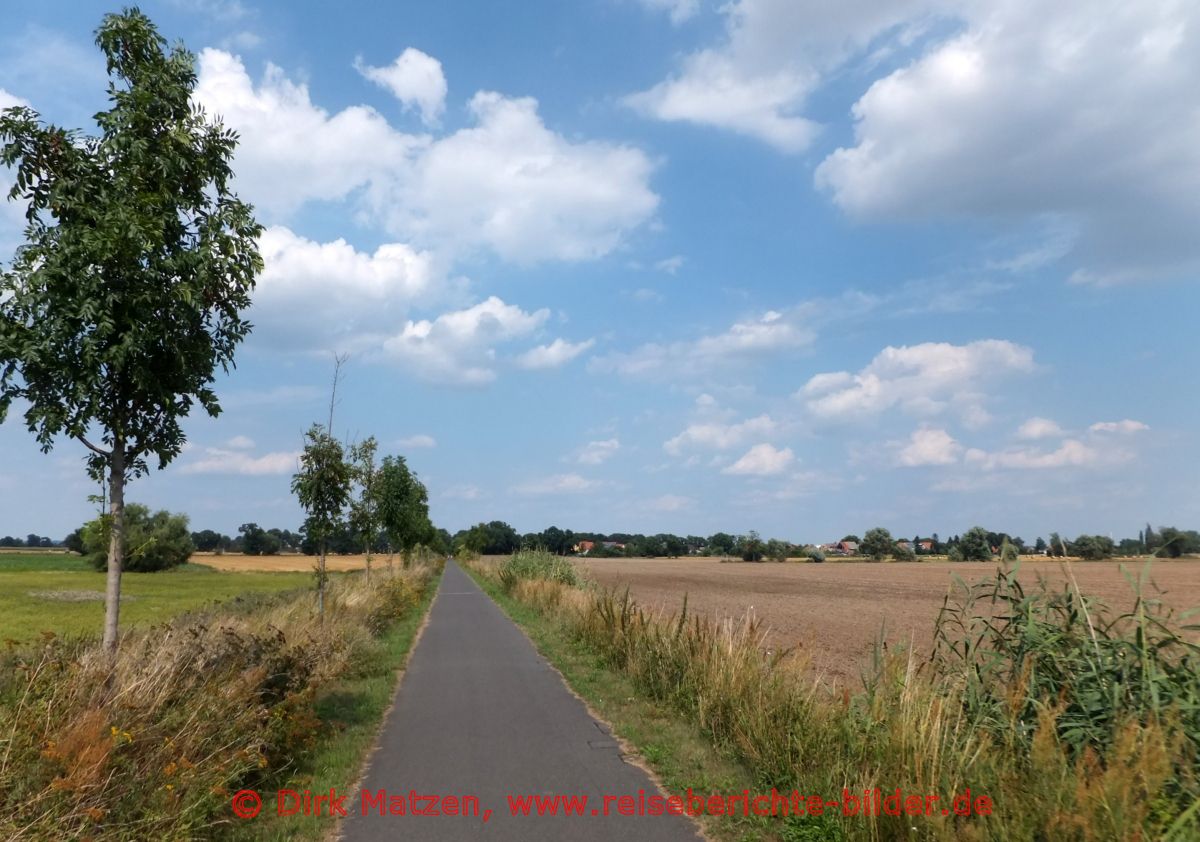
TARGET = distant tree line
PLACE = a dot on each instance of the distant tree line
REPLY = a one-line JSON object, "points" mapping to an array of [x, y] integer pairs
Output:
{"points": [[976, 544]]}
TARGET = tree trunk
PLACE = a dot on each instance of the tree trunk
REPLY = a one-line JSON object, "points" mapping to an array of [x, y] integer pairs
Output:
{"points": [[321, 583], [368, 554], [116, 545]]}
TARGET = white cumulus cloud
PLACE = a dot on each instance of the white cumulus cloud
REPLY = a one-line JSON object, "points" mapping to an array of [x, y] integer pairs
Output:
{"points": [[929, 447], [457, 347], [761, 460], [597, 452], [558, 484], [717, 436], [1126, 426], [1084, 113], [414, 78], [923, 379], [236, 460], [1039, 428], [558, 353], [772, 332]]}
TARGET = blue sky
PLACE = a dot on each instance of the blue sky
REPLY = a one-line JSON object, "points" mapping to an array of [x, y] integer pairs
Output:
{"points": [[676, 265]]}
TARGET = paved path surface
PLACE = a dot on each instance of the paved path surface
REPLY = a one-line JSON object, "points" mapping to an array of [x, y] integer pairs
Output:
{"points": [[480, 713]]}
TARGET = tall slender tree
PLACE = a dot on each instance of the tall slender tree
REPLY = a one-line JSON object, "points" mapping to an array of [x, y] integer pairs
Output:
{"points": [[138, 261], [323, 487], [364, 508]]}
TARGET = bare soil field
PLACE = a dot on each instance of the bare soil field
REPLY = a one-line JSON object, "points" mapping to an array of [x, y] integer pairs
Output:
{"points": [[833, 613], [291, 563]]}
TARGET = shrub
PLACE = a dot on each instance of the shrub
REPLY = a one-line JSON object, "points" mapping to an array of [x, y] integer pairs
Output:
{"points": [[151, 744], [153, 542], [815, 555], [974, 545], [537, 564], [903, 553], [1093, 547], [877, 544]]}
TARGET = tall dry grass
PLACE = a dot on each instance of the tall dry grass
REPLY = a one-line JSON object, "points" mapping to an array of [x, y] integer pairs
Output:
{"points": [[1076, 724], [151, 745]]}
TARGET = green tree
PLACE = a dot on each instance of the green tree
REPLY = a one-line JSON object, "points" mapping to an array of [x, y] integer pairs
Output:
{"points": [[852, 539], [1057, 548], [1008, 551], [877, 544], [1173, 543], [364, 508], [258, 541], [74, 541], [1093, 547], [721, 543], [322, 486], [1039, 546], [752, 546], [403, 506], [974, 545], [127, 294], [152, 542]]}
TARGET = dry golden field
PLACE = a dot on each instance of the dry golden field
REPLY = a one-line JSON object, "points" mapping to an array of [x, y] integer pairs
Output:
{"points": [[832, 613], [287, 563]]}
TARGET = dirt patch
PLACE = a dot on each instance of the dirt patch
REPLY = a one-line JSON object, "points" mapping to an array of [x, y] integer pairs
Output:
{"points": [[832, 613], [76, 596]]}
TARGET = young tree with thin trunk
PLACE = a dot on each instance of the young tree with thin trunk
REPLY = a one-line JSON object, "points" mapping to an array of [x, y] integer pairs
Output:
{"points": [[323, 487], [137, 264], [364, 509], [403, 506]]}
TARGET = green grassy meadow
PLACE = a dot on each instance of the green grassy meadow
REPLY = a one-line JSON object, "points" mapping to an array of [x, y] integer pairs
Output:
{"points": [[45, 592]]}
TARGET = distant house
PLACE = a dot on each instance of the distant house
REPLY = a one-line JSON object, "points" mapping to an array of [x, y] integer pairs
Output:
{"points": [[613, 545], [584, 547], [847, 547], [905, 543], [925, 545]]}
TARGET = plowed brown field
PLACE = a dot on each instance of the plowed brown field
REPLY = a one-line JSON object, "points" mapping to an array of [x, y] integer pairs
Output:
{"points": [[833, 612]]}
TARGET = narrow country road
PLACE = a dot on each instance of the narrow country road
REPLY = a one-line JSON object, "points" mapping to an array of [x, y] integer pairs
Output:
{"points": [[480, 713]]}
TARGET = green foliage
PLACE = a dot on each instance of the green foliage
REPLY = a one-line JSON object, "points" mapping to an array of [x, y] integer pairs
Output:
{"points": [[903, 553], [1029, 658], [495, 538], [954, 554], [526, 565], [721, 543], [153, 542], [752, 546], [403, 505], [191, 711], [258, 541], [1173, 543], [1093, 547], [815, 555], [1038, 699], [975, 546], [1008, 552], [127, 294], [364, 507], [877, 544], [323, 483]]}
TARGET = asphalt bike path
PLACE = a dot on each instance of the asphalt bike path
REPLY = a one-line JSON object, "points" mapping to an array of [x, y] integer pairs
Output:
{"points": [[479, 713]]}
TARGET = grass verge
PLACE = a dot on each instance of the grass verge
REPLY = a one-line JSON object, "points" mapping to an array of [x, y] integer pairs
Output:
{"points": [[64, 596], [152, 742], [350, 712], [677, 752], [1041, 715]]}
